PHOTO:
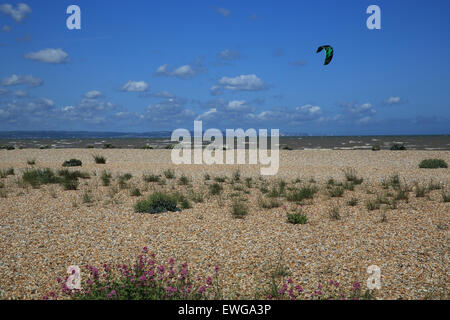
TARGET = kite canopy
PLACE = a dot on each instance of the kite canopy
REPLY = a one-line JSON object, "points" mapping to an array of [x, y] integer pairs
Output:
{"points": [[328, 53]]}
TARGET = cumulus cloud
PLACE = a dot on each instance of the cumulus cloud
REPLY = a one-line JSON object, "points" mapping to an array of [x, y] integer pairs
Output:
{"points": [[19, 13], [54, 56], [358, 109], [135, 86], [223, 11], [394, 101], [248, 82], [20, 94], [94, 94], [183, 72], [15, 80]]}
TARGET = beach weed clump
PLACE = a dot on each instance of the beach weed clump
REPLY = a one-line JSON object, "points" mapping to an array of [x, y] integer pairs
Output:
{"points": [[99, 159], [433, 164], [239, 209], [156, 203], [72, 163]]}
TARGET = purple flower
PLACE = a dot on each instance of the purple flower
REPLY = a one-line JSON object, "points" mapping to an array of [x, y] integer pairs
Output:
{"points": [[209, 281], [202, 289], [216, 269], [299, 288], [171, 261], [145, 250], [290, 281], [356, 286]]}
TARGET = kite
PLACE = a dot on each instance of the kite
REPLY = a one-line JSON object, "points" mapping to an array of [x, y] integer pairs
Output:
{"points": [[328, 53]]}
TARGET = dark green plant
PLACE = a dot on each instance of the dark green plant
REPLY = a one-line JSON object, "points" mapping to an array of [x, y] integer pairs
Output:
{"points": [[398, 146], [99, 159], [169, 174], [297, 218], [156, 203], [215, 189], [239, 210], [72, 163], [306, 192], [106, 178], [433, 164]]}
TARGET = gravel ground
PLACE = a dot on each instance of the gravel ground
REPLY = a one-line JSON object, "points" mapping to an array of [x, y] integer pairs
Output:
{"points": [[43, 231]]}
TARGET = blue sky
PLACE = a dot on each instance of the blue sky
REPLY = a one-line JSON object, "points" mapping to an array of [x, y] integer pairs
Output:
{"points": [[159, 65]]}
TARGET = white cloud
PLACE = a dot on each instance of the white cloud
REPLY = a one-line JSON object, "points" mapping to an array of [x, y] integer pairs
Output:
{"points": [[248, 82], [183, 72], [393, 101], [224, 12], [54, 56], [15, 80], [20, 93], [229, 55], [135, 86], [207, 114], [19, 13], [94, 94], [3, 91]]}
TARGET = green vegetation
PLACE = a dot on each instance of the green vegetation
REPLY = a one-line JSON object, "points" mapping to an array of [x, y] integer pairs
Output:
{"points": [[99, 159], [433, 164], [106, 178], [297, 218], [352, 202], [215, 189], [183, 180], [270, 204], [156, 203], [31, 162], [239, 210], [351, 176], [169, 174], [6, 172], [72, 163], [151, 178], [306, 192], [397, 146], [135, 192]]}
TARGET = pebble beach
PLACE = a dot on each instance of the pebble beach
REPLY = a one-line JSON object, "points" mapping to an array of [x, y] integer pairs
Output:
{"points": [[45, 230]]}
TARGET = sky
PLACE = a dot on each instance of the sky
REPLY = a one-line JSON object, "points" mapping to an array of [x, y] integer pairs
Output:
{"points": [[140, 66]]}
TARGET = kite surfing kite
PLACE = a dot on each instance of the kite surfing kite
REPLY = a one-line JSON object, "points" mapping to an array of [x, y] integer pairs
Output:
{"points": [[328, 53]]}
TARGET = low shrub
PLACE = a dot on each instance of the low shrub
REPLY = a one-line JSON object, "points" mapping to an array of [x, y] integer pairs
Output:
{"points": [[239, 210], [215, 189], [6, 172], [352, 202], [376, 147], [108, 146], [336, 192], [351, 176], [398, 146], [433, 164], [297, 218], [156, 203], [38, 177], [169, 174], [183, 180], [306, 192], [151, 178], [106, 178], [72, 163], [135, 192], [31, 162], [99, 159]]}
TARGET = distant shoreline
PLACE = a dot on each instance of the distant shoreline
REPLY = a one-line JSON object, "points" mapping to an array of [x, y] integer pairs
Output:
{"points": [[411, 142]]}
